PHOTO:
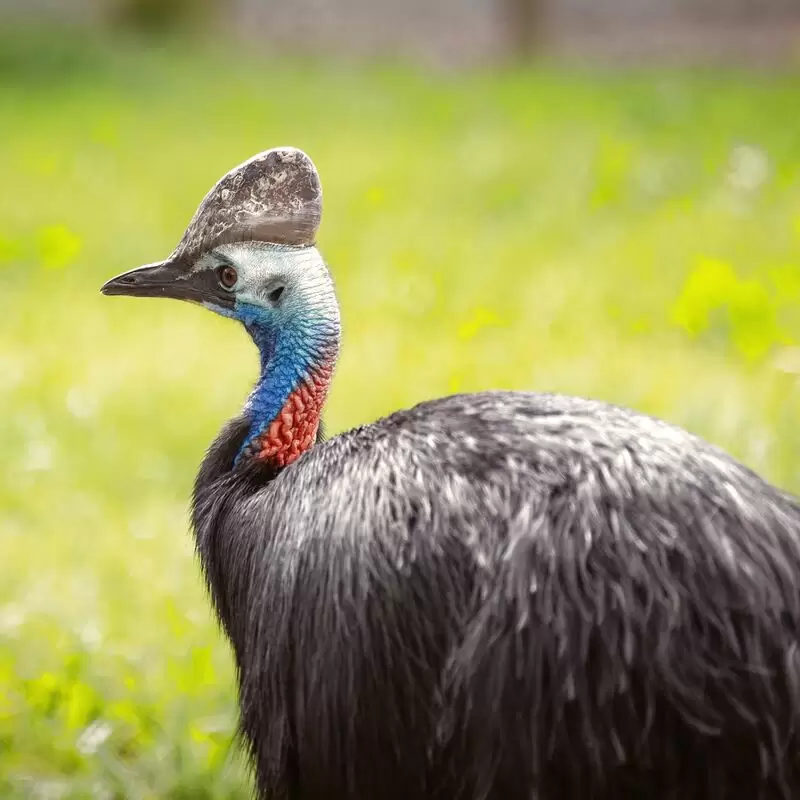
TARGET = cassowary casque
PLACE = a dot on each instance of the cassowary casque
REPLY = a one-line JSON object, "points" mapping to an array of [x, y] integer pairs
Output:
{"points": [[496, 596]]}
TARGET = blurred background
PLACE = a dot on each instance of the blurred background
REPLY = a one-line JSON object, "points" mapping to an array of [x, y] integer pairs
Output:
{"points": [[598, 197]]}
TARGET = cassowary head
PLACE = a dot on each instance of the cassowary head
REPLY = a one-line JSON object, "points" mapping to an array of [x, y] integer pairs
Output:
{"points": [[249, 253]]}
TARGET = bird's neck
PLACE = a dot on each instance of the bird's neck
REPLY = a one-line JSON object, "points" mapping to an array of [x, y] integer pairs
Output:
{"points": [[285, 408]]}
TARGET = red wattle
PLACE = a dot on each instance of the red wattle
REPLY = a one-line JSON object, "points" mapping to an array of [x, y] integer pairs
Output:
{"points": [[294, 430]]}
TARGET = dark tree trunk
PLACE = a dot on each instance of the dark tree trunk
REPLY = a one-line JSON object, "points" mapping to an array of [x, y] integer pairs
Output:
{"points": [[524, 23]]}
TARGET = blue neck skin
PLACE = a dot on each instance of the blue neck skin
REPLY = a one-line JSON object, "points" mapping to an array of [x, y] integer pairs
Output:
{"points": [[285, 361]]}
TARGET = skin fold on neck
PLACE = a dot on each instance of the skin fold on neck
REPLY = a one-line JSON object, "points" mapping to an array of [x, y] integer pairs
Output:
{"points": [[281, 437], [298, 347]]}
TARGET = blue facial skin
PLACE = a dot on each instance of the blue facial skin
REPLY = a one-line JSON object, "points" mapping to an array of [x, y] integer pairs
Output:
{"points": [[285, 360]]}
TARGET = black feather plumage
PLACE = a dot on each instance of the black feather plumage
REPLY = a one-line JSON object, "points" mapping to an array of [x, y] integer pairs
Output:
{"points": [[508, 595], [496, 596]]}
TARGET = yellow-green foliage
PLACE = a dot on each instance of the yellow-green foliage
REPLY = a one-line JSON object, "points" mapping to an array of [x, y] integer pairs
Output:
{"points": [[633, 238]]}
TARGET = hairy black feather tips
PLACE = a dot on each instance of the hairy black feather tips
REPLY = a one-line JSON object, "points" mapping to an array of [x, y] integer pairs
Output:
{"points": [[496, 596]]}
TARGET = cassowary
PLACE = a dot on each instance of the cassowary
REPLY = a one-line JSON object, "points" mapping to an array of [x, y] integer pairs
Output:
{"points": [[495, 596]]}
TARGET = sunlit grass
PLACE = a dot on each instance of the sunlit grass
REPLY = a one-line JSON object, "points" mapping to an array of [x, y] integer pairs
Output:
{"points": [[632, 238]]}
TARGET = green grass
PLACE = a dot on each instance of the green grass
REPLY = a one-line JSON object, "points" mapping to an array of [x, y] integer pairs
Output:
{"points": [[629, 237]]}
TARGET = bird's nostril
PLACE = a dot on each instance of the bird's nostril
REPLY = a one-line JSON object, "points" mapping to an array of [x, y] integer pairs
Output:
{"points": [[127, 279]]}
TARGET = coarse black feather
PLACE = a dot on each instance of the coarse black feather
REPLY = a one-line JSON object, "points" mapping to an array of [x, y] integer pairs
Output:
{"points": [[507, 596]]}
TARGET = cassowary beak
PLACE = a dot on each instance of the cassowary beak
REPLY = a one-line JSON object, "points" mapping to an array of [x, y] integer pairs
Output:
{"points": [[170, 279]]}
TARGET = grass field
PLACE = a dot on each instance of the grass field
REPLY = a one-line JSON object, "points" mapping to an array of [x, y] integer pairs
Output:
{"points": [[634, 238]]}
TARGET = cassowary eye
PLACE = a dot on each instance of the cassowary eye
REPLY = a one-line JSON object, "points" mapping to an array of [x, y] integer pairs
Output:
{"points": [[275, 294], [227, 277]]}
